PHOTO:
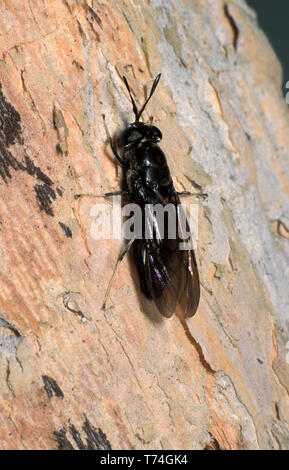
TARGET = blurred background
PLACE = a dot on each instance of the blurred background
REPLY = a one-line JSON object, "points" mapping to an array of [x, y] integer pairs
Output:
{"points": [[273, 17]]}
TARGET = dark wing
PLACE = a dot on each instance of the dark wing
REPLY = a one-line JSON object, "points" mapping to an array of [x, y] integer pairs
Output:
{"points": [[189, 293], [158, 279], [168, 274]]}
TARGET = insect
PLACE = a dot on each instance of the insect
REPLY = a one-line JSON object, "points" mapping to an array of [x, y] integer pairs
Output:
{"points": [[168, 275]]}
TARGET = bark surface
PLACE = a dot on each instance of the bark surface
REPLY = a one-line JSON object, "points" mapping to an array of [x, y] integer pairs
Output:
{"points": [[71, 374]]}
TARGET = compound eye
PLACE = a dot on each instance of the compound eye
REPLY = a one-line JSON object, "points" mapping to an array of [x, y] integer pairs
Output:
{"points": [[153, 130], [134, 136], [159, 134]]}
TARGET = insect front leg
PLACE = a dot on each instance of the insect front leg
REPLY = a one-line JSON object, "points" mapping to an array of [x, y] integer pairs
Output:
{"points": [[112, 146], [119, 159], [122, 255]]}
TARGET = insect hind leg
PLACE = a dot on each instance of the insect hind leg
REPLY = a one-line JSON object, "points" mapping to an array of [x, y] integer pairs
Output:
{"points": [[121, 256]]}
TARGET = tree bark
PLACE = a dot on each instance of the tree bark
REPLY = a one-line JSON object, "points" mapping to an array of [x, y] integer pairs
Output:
{"points": [[72, 374]]}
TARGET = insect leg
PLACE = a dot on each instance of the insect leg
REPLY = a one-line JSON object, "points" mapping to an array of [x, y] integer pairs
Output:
{"points": [[115, 153], [188, 193], [112, 146], [105, 195], [116, 193], [184, 193], [122, 255]]}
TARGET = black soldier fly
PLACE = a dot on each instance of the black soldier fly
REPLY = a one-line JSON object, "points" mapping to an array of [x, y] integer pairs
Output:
{"points": [[168, 275]]}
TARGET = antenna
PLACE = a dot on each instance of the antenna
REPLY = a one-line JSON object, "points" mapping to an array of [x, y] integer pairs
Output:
{"points": [[136, 112], [132, 100]]}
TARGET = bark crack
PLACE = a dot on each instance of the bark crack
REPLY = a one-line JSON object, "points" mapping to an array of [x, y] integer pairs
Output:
{"points": [[8, 381], [32, 102], [233, 25], [197, 347]]}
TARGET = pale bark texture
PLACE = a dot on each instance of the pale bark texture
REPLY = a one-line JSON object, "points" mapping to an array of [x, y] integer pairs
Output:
{"points": [[73, 375]]}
